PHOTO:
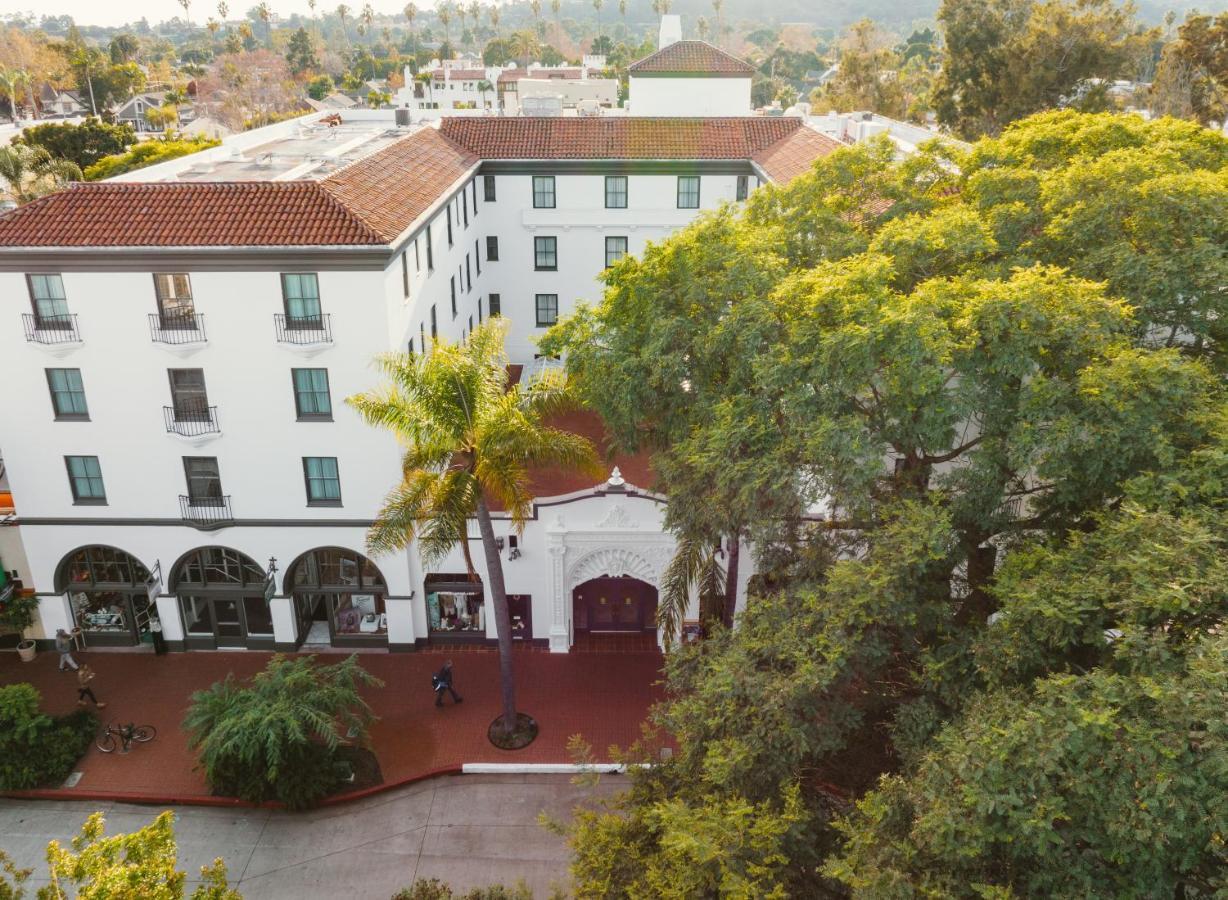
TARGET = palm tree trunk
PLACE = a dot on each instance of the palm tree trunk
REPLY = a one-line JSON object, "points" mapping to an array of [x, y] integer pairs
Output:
{"points": [[731, 581], [503, 618]]}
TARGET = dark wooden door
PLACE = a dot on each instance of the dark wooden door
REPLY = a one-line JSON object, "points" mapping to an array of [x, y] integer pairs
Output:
{"points": [[614, 605]]}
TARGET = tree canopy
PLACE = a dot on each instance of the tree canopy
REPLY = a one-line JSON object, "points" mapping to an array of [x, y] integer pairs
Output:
{"points": [[926, 388]]}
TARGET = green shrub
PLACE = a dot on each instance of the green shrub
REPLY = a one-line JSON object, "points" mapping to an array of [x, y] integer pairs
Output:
{"points": [[434, 889], [37, 749], [277, 737], [146, 153]]}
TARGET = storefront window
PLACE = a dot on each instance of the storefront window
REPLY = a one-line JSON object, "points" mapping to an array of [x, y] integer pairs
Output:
{"points": [[196, 615], [359, 614], [101, 611], [258, 615], [351, 588], [107, 594], [452, 611]]}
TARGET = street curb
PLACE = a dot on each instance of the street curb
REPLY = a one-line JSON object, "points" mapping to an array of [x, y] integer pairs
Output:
{"points": [[219, 802], [543, 768]]}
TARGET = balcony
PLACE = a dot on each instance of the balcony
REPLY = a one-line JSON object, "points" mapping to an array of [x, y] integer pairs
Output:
{"points": [[206, 512], [311, 333], [197, 423], [58, 333], [179, 331]]}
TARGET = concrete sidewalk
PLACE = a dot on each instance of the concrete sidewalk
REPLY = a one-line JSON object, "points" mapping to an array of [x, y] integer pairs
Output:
{"points": [[468, 830]]}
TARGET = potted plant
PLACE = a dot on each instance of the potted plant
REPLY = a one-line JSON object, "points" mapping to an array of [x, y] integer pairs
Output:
{"points": [[16, 615]]}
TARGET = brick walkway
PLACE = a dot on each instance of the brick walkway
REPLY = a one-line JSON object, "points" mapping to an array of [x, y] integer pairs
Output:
{"points": [[603, 697]]}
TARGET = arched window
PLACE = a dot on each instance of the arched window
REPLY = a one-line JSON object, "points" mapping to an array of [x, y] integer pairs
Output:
{"points": [[222, 598], [216, 567], [338, 597], [107, 594]]}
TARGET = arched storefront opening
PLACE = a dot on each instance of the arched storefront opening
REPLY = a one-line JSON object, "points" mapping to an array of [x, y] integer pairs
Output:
{"points": [[107, 595], [614, 605], [338, 598], [223, 599]]}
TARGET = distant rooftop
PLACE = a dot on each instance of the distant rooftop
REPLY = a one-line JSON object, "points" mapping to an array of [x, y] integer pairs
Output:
{"points": [[305, 148], [696, 59]]}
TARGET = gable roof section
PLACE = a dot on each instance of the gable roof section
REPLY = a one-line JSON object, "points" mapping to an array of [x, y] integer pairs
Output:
{"points": [[617, 138], [388, 190], [793, 156], [692, 59], [200, 214]]}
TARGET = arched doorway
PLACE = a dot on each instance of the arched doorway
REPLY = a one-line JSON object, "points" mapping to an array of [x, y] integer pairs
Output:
{"points": [[338, 598], [223, 598], [614, 605], [107, 595]]}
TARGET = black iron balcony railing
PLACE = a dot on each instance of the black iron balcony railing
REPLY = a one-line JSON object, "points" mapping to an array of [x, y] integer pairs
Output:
{"points": [[51, 329], [187, 328], [206, 512], [303, 329], [191, 421]]}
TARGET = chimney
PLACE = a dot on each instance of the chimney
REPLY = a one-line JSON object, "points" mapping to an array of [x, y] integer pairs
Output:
{"points": [[671, 31]]}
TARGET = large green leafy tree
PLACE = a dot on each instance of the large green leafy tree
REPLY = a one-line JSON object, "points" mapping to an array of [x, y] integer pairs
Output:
{"points": [[1006, 59], [471, 441], [892, 379], [82, 144]]}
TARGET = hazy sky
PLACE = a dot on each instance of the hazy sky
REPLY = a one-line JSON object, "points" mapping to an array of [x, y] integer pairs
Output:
{"points": [[117, 12]]}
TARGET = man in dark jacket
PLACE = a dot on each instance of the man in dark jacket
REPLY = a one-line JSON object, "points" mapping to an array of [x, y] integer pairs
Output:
{"points": [[442, 681]]}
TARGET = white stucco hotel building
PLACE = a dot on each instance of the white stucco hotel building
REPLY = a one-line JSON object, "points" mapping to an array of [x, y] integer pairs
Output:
{"points": [[176, 355]]}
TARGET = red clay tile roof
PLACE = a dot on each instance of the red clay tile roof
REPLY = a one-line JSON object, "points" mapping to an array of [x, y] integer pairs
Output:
{"points": [[635, 469], [461, 75], [169, 214], [617, 138], [698, 59], [388, 190], [785, 160]]}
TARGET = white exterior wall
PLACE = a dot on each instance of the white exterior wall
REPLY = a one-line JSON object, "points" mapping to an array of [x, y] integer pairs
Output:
{"points": [[689, 96]]}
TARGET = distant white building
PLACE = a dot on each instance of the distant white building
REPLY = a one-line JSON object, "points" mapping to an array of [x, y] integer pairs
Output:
{"points": [[855, 127], [689, 78]]}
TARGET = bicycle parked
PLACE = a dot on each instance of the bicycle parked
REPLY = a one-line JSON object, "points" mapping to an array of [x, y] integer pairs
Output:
{"points": [[126, 734]]}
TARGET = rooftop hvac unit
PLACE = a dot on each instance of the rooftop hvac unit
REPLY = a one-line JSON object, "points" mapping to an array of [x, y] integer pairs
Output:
{"points": [[402, 116]]}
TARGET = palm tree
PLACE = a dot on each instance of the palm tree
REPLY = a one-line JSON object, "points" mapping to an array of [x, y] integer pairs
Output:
{"points": [[524, 45], [445, 19], [555, 6], [536, 6], [494, 19], [186, 4], [223, 9], [411, 13], [368, 16], [343, 13], [470, 441], [8, 90], [475, 10], [597, 4], [695, 566], [622, 11], [266, 16], [701, 26], [717, 6], [484, 88], [212, 25], [30, 172]]}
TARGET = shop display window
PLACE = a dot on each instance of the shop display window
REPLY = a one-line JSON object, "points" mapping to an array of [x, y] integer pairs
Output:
{"points": [[457, 612], [101, 611]]}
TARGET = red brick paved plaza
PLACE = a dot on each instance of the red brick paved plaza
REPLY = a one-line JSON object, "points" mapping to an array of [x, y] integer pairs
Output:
{"points": [[601, 696]]}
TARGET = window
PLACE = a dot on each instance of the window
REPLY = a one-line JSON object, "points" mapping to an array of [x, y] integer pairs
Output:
{"points": [[422, 335], [494, 307], [492, 248], [453, 283], [405, 273], [479, 309], [464, 204], [688, 192], [323, 482], [488, 186], [615, 249], [174, 293], [547, 309], [449, 213], [301, 294], [417, 259], [477, 256], [545, 254], [67, 394], [468, 274], [430, 252], [471, 324], [616, 192], [543, 192], [188, 397], [204, 480], [411, 347], [85, 479], [475, 196], [742, 187], [311, 396], [49, 302], [434, 323]]}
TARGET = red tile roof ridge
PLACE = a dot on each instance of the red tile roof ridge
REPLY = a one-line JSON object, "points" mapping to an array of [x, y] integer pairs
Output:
{"points": [[691, 57]]}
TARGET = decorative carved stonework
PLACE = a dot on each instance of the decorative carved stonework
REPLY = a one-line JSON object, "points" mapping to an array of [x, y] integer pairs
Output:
{"points": [[617, 518]]}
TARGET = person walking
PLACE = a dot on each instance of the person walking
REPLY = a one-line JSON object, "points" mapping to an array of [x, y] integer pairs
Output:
{"points": [[63, 643], [442, 681], [84, 676]]}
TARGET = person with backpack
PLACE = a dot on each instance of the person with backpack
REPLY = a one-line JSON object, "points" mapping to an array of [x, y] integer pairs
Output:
{"points": [[442, 681]]}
